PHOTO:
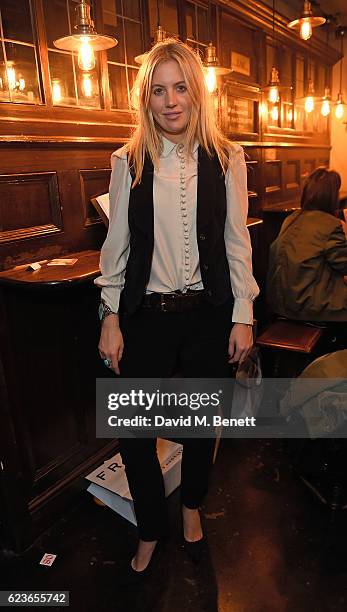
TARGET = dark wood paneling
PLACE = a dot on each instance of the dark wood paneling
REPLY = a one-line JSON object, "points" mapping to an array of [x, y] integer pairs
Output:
{"points": [[29, 205], [48, 365], [292, 174], [273, 176], [50, 172], [307, 165], [93, 183]]}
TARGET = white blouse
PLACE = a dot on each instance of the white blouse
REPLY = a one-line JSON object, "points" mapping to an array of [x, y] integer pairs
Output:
{"points": [[175, 263]]}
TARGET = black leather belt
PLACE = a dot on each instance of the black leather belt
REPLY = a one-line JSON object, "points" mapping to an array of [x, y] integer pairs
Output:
{"points": [[174, 302]]}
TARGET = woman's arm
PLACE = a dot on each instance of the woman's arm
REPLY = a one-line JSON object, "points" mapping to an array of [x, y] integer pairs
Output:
{"points": [[239, 255], [113, 260], [115, 250]]}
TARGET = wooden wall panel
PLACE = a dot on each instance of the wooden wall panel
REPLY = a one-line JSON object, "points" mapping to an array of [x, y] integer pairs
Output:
{"points": [[93, 183], [29, 205], [292, 174], [307, 166]]}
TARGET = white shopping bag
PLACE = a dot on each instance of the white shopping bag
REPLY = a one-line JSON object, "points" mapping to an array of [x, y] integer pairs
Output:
{"points": [[109, 482]]}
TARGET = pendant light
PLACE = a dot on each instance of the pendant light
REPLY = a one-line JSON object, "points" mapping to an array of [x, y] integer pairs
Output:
{"points": [[159, 36], [306, 22], [273, 86], [325, 108], [340, 106], [85, 40], [212, 67]]}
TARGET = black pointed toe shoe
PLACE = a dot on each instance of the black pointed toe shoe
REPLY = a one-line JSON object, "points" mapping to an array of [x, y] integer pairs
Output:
{"points": [[130, 577], [195, 550]]}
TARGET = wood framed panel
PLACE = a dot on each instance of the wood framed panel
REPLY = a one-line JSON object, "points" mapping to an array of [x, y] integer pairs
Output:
{"points": [[292, 174], [29, 205], [307, 166], [93, 183]]}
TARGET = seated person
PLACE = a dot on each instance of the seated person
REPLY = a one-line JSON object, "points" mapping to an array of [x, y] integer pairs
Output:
{"points": [[308, 259]]}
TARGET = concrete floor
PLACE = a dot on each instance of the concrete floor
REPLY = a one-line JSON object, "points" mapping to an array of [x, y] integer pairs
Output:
{"points": [[272, 548]]}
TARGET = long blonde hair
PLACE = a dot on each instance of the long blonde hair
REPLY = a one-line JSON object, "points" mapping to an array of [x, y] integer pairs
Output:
{"points": [[202, 123]]}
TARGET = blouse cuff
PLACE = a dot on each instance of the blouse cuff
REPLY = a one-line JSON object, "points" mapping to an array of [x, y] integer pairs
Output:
{"points": [[110, 296], [243, 311]]}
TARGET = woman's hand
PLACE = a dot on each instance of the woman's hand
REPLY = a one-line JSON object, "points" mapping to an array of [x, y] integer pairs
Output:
{"points": [[240, 342], [111, 343]]}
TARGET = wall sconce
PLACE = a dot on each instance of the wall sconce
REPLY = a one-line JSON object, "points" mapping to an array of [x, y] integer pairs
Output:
{"points": [[306, 22], [86, 40]]}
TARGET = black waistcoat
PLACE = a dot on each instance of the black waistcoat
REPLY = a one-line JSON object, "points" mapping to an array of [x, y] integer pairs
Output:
{"points": [[211, 214]]}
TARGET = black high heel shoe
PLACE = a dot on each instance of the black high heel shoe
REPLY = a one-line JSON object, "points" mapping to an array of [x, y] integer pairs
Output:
{"points": [[132, 577], [195, 550]]}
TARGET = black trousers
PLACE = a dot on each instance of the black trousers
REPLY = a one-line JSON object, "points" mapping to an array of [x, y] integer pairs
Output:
{"points": [[157, 344]]}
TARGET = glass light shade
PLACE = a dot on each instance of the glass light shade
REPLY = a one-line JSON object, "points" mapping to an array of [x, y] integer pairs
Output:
{"points": [[309, 104], [56, 91], [273, 94], [11, 76], [340, 107], [339, 110], [87, 86], [211, 79], [325, 110], [274, 113]]}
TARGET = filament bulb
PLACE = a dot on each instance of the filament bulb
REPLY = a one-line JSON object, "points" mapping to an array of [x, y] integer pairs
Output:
{"points": [[86, 56]]}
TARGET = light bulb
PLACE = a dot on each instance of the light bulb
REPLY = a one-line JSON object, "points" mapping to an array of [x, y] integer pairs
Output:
{"points": [[21, 84], [87, 86], [305, 29], [211, 79], [86, 56], [273, 95], [309, 104], [56, 91], [290, 115], [325, 110], [339, 110], [274, 113]]}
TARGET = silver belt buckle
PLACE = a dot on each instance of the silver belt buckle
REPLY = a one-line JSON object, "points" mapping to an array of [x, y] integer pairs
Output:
{"points": [[162, 303]]}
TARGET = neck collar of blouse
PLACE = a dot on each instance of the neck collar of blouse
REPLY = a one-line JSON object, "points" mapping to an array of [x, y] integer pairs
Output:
{"points": [[169, 146]]}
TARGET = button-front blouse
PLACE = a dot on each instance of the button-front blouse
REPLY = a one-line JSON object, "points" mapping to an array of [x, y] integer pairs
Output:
{"points": [[175, 263]]}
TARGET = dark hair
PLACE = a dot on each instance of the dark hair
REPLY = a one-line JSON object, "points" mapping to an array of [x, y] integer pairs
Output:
{"points": [[321, 191]]}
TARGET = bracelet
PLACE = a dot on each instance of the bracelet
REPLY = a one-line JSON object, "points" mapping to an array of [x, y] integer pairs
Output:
{"points": [[105, 311]]}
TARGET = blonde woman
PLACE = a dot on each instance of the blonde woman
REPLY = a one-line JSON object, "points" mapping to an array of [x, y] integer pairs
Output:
{"points": [[177, 284]]}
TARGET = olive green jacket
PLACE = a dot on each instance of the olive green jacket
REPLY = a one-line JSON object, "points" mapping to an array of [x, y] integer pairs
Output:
{"points": [[307, 263]]}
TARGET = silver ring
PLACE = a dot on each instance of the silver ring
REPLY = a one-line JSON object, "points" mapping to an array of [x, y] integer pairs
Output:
{"points": [[107, 363]]}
